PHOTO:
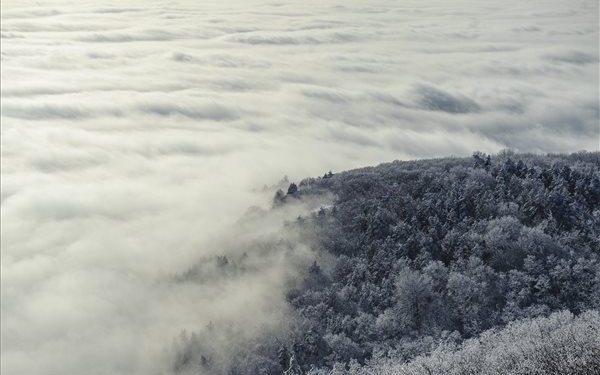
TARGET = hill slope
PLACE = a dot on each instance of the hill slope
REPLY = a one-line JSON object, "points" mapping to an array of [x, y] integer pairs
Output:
{"points": [[415, 257]]}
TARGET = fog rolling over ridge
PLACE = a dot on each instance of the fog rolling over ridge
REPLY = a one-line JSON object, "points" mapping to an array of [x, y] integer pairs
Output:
{"points": [[136, 134]]}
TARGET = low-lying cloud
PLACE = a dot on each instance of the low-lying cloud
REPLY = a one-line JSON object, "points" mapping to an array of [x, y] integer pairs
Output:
{"points": [[434, 99], [136, 133]]}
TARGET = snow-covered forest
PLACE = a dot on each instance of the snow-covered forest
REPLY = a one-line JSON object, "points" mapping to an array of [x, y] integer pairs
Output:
{"points": [[481, 265]]}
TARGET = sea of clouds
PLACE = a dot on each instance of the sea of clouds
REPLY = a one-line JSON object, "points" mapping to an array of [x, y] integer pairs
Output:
{"points": [[136, 133]]}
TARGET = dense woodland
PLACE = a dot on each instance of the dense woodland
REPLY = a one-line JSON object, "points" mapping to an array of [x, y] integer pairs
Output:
{"points": [[479, 265]]}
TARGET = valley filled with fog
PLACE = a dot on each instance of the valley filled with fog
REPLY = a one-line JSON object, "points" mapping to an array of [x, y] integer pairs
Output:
{"points": [[143, 142]]}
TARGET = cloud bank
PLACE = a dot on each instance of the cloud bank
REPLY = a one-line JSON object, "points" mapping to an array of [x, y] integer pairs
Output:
{"points": [[135, 134]]}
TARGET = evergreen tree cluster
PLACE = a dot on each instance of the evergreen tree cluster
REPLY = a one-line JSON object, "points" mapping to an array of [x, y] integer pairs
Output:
{"points": [[426, 266]]}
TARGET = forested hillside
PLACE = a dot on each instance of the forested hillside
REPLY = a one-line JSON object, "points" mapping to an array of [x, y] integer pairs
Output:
{"points": [[421, 264]]}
